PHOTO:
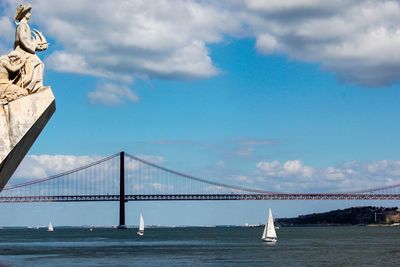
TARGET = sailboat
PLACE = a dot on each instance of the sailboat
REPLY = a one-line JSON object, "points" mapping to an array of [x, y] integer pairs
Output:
{"points": [[269, 234], [50, 227], [141, 225]]}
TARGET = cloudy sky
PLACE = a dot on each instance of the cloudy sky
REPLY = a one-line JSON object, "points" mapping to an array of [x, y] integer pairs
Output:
{"points": [[293, 96]]}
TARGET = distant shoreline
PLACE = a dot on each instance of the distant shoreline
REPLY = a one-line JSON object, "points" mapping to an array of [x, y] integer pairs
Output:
{"points": [[355, 216]]}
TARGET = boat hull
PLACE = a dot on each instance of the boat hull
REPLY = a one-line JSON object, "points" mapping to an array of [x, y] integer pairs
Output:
{"points": [[269, 239]]}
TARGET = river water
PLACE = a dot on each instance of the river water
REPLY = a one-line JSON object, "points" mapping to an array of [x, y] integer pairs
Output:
{"points": [[201, 246]]}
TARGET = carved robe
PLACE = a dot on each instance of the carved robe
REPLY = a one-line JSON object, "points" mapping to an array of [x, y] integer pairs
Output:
{"points": [[8, 90], [26, 46]]}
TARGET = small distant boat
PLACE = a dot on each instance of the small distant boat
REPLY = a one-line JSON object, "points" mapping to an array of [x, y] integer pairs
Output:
{"points": [[141, 225], [50, 227], [251, 225], [269, 234]]}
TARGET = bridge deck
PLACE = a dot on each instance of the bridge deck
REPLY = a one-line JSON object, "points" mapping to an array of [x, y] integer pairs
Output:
{"points": [[196, 197]]}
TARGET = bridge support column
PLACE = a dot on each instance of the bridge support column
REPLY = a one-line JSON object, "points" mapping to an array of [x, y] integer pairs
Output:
{"points": [[122, 191]]}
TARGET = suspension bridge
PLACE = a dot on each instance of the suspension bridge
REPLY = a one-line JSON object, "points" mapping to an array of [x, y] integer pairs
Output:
{"points": [[123, 177]]}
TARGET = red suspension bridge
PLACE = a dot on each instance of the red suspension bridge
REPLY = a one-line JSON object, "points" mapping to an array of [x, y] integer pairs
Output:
{"points": [[123, 177]]}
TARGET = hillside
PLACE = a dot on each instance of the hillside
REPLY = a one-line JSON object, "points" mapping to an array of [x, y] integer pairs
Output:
{"points": [[350, 216]]}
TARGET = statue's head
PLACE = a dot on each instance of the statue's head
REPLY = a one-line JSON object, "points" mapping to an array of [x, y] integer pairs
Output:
{"points": [[21, 11]]}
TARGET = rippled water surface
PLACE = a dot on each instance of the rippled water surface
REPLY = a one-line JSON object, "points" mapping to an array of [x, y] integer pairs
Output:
{"points": [[201, 246]]}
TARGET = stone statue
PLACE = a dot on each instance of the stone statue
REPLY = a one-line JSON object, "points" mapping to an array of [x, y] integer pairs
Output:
{"points": [[25, 47], [21, 71], [25, 104], [10, 63]]}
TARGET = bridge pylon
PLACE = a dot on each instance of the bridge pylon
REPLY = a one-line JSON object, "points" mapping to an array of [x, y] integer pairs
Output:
{"points": [[122, 201]]}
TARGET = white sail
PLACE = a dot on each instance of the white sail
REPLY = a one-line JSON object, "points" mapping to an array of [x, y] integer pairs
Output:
{"points": [[50, 227], [265, 231], [269, 233], [141, 225]]}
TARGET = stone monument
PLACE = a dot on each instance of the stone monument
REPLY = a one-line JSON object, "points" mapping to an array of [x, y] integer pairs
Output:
{"points": [[25, 104]]}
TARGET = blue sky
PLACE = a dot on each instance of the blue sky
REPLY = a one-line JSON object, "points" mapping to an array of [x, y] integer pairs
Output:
{"points": [[294, 96]]}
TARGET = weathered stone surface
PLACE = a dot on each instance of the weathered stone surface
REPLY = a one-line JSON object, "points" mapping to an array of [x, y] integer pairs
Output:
{"points": [[21, 122], [5, 144]]}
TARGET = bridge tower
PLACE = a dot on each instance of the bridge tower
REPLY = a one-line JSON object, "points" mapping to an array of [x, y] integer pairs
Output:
{"points": [[122, 190]]}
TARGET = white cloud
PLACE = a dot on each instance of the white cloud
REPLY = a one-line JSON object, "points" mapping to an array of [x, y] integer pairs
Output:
{"points": [[334, 174], [293, 176], [269, 167], [74, 63], [112, 94], [43, 166], [356, 40], [266, 43], [157, 38], [289, 168], [273, 6], [292, 166]]}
